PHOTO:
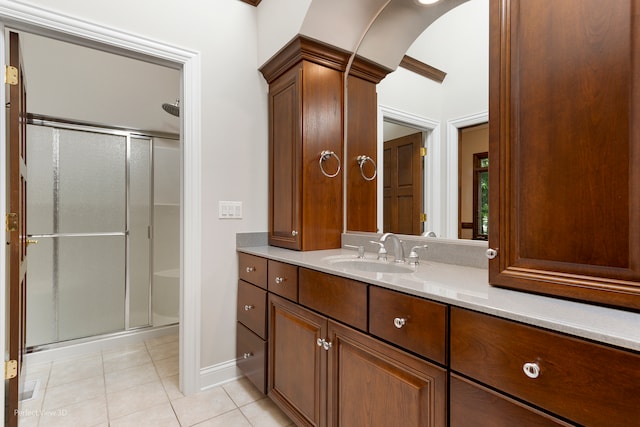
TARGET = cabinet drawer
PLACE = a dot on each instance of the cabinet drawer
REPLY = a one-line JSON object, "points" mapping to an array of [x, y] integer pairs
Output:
{"points": [[253, 269], [252, 308], [410, 322], [342, 299], [585, 382], [283, 280], [251, 352], [473, 405]]}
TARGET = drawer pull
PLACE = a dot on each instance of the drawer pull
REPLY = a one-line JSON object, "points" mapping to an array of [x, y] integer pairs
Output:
{"points": [[532, 370], [248, 307], [247, 355], [280, 280], [399, 322], [251, 269]]}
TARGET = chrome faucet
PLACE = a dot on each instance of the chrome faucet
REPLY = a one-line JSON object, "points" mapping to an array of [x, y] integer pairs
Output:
{"points": [[398, 249]]}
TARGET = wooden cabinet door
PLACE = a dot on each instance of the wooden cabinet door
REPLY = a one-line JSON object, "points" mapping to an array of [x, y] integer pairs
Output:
{"points": [[285, 139], [565, 148], [373, 384], [297, 364]]}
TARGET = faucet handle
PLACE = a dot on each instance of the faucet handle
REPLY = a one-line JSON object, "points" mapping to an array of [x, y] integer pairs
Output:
{"points": [[413, 255], [382, 251], [360, 249]]}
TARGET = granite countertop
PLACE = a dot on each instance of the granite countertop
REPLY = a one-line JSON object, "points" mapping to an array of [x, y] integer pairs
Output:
{"points": [[468, 287]]}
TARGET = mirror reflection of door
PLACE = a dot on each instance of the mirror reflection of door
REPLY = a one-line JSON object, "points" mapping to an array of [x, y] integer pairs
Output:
{"points": [[473, 179], [403, 183]]}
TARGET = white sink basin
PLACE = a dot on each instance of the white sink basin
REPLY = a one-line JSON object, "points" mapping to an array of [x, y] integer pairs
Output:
{"points": [[371, 266]]}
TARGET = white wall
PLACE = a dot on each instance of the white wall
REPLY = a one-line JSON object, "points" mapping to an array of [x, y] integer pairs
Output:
{"points": [[458, 44], [234, 131], [65, 80]]}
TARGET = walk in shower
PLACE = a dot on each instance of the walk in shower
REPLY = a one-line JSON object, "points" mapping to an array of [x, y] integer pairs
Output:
{"points": [[103, 204]]}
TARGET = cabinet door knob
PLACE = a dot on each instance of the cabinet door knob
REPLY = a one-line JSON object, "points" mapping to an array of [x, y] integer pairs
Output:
{"points": [[319, 342], [251, 269], [492, 253], [531, 369], [294, 233], [399, 322], [280, 280], [247, 355], [326, 345], [248, 307]]}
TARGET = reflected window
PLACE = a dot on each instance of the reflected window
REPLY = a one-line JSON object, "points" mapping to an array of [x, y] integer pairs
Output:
{"points": [[481, 196]]}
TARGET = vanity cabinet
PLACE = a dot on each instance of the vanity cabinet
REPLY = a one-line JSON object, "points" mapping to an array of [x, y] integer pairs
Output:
{"points": [[584, 382], [325, 373], [251, 325], [305, 145], [564, 104]]}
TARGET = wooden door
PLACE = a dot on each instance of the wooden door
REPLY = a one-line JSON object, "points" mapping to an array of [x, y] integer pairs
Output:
{"points": [[297, 363], [403, 185], [17, 222], [565, 148], [373, 384]]}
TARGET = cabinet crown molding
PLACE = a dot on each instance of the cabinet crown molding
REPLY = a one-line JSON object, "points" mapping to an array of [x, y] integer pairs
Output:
{"points": [[305, 48]]}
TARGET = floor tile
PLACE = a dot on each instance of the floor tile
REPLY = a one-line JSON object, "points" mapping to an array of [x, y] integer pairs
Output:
{"points": [[130, 377], [156, 416], [242, 391], [164, 351], [114, 361], [161, 340], [265, 413], [234, 418], [90, 412], [70, 370], [202, 406], [71, 393], [135, 399], [172, 387], [167, 367]]}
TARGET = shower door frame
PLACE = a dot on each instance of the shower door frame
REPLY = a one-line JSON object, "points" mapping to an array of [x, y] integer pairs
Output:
{"points": [[55, 123], [48, 22]]}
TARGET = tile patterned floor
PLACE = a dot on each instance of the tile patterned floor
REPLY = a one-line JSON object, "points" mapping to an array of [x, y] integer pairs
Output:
{"points": [[137, 386]]}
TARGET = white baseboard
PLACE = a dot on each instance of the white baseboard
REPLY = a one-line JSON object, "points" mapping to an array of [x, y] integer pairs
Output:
{"points": [[219, 374]]}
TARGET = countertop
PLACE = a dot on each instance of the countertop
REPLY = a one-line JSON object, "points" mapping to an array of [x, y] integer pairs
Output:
{"points": [[468, 287]]}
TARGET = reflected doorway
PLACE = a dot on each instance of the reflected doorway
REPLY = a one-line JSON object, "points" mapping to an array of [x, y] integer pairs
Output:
{"points": [[473, 182]]}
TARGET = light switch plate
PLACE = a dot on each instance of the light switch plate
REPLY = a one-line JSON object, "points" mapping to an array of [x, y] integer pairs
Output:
{"points": [[229, 209]]}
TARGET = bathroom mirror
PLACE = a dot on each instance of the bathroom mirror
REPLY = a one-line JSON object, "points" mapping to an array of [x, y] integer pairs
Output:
{"points": [[446, 118]]}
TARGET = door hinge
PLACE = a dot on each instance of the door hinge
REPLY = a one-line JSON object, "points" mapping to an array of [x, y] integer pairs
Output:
{"points": [[11, 222], [423, 217], [423, 151], [10, 75], [10, 369]]}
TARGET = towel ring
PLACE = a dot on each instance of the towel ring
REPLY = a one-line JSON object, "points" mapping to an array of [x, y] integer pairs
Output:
{"points": [[362, 159], [325, 155]]}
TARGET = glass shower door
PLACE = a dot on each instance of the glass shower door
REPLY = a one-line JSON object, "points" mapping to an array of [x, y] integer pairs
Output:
{"points": [[78, 210]]}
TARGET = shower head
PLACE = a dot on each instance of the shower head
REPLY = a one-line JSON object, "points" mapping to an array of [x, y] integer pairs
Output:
{"points": [[173, 109]]}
